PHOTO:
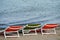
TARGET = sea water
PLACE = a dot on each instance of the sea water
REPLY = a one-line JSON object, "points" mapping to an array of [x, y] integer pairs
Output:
{"points": [[14, 12]]}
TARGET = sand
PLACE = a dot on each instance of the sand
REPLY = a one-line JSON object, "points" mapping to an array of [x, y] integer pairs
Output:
{"points": [[36, 37]]}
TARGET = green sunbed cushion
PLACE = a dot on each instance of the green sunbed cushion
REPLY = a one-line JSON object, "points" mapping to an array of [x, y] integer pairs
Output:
{"points": [[32, 26], [2, 28]]}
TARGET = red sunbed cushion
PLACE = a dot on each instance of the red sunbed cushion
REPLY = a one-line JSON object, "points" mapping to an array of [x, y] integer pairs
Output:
{"points": [[50, 26], [13, 28]]}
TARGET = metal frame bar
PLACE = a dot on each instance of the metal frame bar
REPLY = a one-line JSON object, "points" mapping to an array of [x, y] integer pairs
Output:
{"points": [[11, 36], [29, 34], [48, 29], [10, 32]]}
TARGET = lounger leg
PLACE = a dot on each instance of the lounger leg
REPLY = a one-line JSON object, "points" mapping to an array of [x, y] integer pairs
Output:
{"points": [[4, 34], [18, 34], [35, 32], [23, 32], [41, 31], [54, 31]]}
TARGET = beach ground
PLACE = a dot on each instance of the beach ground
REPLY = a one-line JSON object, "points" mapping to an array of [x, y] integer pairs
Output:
{"points": [[36, 37]]}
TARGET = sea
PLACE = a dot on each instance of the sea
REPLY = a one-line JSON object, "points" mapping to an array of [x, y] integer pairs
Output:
{"points": [[22, 12]]}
